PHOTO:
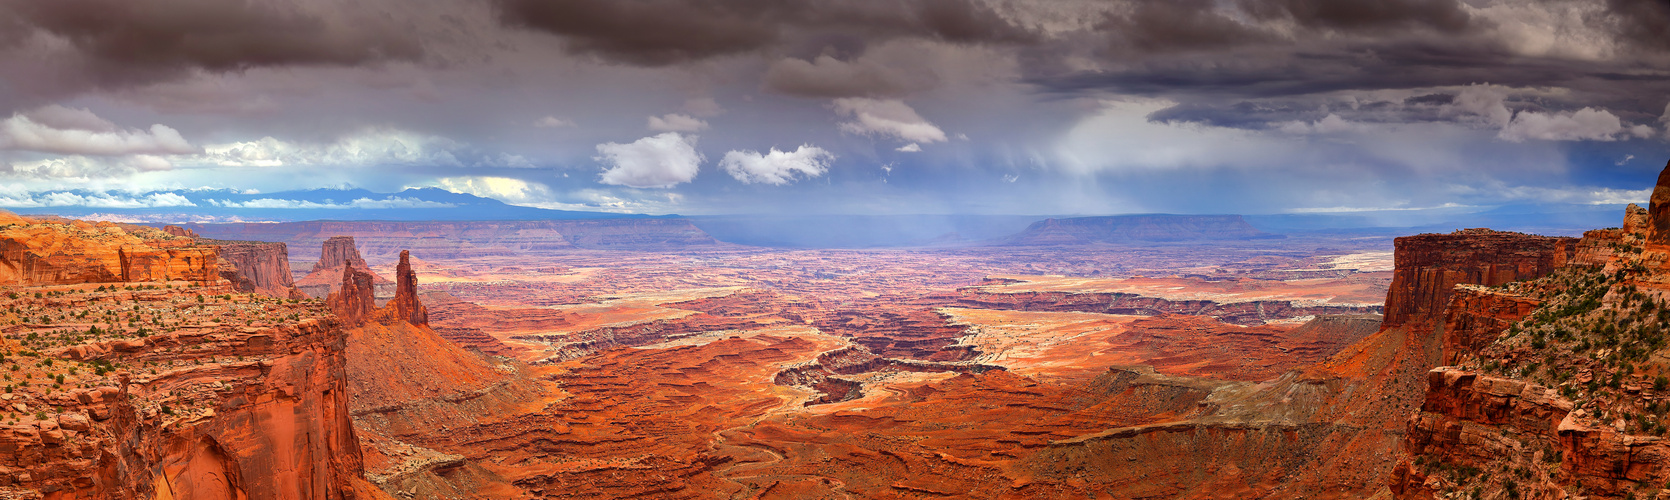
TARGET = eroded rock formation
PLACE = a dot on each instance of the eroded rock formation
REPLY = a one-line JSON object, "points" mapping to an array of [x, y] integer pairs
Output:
{"points": [[176, 402], [1658, 208], [405, 304], [1559, 389], [353, 300], [256, 266], [1429, 266], [336, 255], [69, 252]]}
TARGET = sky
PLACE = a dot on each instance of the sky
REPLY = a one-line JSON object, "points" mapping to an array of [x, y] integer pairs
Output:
{"points": [[851, 107]]}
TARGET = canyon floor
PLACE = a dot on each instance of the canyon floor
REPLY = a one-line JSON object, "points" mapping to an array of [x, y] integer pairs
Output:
{"points": [[750, 373]]}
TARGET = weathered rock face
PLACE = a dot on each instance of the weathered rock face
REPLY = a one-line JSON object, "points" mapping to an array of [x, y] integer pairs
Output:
{"points": [[256, 266], [198, 409], [1658, 208], [1128, 228], [336, 254], [68, 252], [405, 305], [1429, 266], [1495, 423], [1477, 316], [179, 231], [353, 300]]}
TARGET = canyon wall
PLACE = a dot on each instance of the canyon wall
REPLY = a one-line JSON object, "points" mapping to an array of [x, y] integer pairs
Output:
{"points": [[177, 402], [1429, 266], [69, 252], [257, 266], [1559, 387]]}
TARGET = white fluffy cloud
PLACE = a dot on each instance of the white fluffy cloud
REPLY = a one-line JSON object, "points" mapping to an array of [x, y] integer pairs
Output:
{"points": [[675, 122], [364, 148], [886, 117], [72, 131], [505, 189], [85, 168], [1587, 124], [909, 148], [658, 161], [776, 167]]}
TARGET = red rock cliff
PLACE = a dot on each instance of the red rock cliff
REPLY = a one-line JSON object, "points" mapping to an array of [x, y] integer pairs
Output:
{"points": [[1658, 208], [212, 396], [336, 254], [69, 252], [257, 266], [1429, 266], [353, 300]]}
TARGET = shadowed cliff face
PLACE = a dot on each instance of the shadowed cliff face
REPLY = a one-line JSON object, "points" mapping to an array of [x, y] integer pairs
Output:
{"points": [[259, 267]]}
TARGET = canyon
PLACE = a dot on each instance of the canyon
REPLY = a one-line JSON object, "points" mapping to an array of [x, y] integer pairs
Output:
{"points": [[641, 359]]}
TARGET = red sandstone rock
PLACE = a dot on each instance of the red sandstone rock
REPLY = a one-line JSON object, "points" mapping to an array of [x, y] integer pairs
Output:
{"points": [[257, 267], [1658, 208], [353, 300], [1477, 316], [1429, 266], [337, 254], [179, 231], [405, 304], [70, 252]]}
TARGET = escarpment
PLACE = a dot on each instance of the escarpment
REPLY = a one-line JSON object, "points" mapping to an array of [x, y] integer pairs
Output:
{"points": [[256, 266], [1559, 387], [72, 252], [175, 385]]}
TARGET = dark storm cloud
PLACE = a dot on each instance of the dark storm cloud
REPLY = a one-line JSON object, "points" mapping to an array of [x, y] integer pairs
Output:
{"points": [[1643, 23], [1171, 26], [108, 43], [1440, 15], [662, 32]]}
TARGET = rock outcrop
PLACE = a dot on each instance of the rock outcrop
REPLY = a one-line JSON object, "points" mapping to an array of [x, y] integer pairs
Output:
{"points": [[179, 231], [1559, 388], [405, 304], [353, 300], [1429, 266], [68, 252], [1658, 209], [177, 402], [325, 277], [256, 266], [1137, 228]]}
